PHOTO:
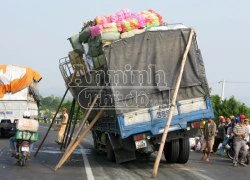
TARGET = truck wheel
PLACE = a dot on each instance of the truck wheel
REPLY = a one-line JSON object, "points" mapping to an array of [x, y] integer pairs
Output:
{"points": [[184, 151], [110, 151], [171, 151]]}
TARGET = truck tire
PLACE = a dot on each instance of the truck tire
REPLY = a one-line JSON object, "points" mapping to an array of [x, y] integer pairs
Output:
{"points": [[184, 151], [171, 151], [110, 151]]}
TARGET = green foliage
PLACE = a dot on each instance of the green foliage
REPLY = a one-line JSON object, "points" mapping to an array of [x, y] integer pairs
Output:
{"points": [[228, 107], [50, 104]]}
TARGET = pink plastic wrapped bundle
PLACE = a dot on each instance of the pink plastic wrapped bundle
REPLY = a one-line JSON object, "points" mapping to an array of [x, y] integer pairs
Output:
{"points": [[96, 30], [101, 20], [114, 18], [121, 15], [126, 13], [140, 19]]}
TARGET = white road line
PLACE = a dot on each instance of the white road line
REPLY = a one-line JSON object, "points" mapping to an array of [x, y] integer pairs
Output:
{"points": [[57, 152], [88, 169]]}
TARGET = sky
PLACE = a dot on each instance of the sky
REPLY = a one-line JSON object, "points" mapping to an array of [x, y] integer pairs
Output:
{"points": [[35, 33]]}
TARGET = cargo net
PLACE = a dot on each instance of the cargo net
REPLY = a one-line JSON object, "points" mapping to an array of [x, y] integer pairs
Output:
{"points": [[70, 70]]}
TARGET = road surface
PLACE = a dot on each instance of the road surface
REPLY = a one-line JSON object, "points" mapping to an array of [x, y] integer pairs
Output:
{"points": [[86, 164]]}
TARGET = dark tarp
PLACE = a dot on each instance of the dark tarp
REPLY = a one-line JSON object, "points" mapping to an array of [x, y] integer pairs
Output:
{"points": [[159, 53]]}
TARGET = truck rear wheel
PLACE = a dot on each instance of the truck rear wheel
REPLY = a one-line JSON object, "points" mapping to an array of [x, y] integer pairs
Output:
{"points": [[184, 150], [171, 151], [110, 151]]}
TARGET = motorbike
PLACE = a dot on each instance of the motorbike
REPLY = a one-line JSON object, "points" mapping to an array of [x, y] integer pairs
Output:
{"points": [[23, 151], [230, 151]]}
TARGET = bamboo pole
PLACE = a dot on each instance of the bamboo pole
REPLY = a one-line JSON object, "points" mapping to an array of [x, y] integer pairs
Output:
{"points": [[172, 106], [70, 122], [74, 125], [53, 120], [78, 141], [66, 129], [84, 120]]}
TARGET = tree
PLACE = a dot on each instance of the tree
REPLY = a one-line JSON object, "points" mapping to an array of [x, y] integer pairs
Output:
{"points": [[228, 107]]}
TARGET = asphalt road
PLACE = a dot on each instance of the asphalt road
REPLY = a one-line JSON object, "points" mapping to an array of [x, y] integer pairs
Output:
{"points": [[86, 164]]}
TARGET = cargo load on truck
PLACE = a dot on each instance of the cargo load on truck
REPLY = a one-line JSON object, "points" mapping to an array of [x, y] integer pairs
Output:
{"points": [[18, 91], [136, 74]]}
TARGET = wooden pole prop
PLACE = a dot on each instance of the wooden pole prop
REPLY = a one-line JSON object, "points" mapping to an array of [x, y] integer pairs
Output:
{"points": [[84, 120], [78, 141], [172, 106], [67, 127], [53, 120], [70, 122], [74, 125]]}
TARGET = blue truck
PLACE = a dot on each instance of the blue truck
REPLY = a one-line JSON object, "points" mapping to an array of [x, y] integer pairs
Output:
{"points": [[136, 76]]}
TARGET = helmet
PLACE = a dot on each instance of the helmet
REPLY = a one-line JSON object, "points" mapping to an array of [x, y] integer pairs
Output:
{"points": [[221, 117], [26, 114], [231, 117], [242, 116], [222, 120], [202, 123], [237, 119]]}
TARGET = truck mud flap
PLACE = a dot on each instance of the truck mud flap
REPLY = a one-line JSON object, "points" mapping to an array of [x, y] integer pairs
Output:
{"points": [[123, 149]]}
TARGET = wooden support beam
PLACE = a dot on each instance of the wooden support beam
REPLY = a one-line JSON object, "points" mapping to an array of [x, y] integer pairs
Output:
{"points": [[84, 120], [78, 141], [172, 106], [53, 120]]}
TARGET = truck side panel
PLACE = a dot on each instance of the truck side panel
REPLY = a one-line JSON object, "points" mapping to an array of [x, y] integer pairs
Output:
{"points": [[156, 125]]}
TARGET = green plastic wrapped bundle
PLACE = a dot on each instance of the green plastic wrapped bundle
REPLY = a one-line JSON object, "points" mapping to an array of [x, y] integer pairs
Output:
{"points": [[99, 61], [27, 135], [75, 43], [84, 35], [110, 36], [95, 46]]}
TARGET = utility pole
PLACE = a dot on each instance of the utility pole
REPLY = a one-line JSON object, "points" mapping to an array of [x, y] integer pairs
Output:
{"points": [[222, 89]]}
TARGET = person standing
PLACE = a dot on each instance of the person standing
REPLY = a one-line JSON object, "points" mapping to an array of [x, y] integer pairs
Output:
{"points": [[228, 122], [220, 134], [63, 126], [248, 130], [208, 140], [239, 143]]}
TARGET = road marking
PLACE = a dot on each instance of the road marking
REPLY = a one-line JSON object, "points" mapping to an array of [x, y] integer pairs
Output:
{"points": [[88, 169], [57, 152]]}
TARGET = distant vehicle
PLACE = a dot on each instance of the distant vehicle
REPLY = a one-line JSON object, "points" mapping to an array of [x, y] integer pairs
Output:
{"points": [[6, 128]]}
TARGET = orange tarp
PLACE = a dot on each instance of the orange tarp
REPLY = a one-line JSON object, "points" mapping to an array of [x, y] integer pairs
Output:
{"points": [[18, 84]]}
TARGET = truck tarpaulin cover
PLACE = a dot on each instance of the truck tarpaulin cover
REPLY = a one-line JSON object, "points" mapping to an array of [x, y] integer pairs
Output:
{"points": [[15, 78], [152, 61]]}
